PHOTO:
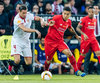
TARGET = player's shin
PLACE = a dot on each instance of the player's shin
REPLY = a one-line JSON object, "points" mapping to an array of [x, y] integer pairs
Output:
{"points": [[47, 65], [73, 63], [79, 63]]}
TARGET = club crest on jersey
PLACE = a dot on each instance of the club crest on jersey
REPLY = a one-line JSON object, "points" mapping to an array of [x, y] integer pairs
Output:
{"points": [[18, 21]]}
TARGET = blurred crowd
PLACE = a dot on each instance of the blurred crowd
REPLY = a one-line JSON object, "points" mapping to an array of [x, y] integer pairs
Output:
{"points": [[9, 8], [60, 63]]}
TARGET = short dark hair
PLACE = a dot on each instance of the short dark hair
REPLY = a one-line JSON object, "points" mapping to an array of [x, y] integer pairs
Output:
{"points": [[91, 7], [67, 9], [2, 4], [23, 7]]}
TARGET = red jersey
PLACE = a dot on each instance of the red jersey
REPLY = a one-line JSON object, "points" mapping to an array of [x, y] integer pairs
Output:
{"points": [[56, 32], [88, 26]]}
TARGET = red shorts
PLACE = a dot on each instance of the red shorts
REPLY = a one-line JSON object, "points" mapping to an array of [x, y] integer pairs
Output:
{"points": [[52, 47], [89, 44]]}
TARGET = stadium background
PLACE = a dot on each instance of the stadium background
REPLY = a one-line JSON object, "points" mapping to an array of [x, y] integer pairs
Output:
{"points": [[5, 39]]}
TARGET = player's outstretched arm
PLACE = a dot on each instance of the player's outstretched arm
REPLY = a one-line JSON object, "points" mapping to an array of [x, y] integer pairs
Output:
{"points": [[25, 29], [74, 32], [79, 30], [50, 23]]}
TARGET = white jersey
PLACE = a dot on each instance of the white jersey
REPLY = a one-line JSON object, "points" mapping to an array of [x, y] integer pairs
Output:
{"points": [[19, 35], [20, 44]]}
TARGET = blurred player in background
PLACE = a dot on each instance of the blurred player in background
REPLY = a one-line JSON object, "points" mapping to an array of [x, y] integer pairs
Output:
{"points": [[20, 44], [40, 56], [86, 28], [54, 39]]}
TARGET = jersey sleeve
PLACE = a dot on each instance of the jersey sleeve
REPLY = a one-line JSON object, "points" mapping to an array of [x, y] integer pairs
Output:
{"points": [[70, 24], [17, 21], [54, 18], [82, 21]]}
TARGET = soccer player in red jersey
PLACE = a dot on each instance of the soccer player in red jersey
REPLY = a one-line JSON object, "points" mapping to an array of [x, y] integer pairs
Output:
{"points": [[86, 27], [54, 39]]}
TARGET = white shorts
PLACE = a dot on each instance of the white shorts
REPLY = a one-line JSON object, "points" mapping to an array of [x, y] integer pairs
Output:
{"points": [[20, 49]]}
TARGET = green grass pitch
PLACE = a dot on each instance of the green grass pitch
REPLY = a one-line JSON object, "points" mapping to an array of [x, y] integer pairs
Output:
{"points": [[55, 79]]}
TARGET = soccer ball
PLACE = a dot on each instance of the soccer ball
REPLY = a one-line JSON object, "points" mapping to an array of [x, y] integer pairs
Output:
{"points": [[46, 75]]}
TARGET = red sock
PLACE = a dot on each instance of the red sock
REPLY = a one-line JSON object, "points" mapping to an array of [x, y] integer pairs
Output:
{"points": [[73, 63], [46, 66], [99, 59], [79, 63]]}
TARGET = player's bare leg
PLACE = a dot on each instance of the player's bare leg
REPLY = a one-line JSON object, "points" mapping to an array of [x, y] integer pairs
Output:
{"points": [[28, 60], [68, 53], [47, 64]]}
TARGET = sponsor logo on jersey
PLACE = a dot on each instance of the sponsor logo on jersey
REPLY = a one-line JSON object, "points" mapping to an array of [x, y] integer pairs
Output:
{"points": [[61, 29], [91, 27]]}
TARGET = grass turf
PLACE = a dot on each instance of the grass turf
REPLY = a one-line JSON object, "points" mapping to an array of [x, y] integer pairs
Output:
{"points": [[55, 79]]}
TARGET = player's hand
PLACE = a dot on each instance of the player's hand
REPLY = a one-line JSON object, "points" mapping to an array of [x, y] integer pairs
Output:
{"points": [[78, 37], [37, 18], [85, 36], [43, 24], [51, 23], [39, 34]]}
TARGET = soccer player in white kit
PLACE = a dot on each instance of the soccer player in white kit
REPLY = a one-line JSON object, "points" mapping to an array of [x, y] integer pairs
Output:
{"points": [[20, 44]]}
